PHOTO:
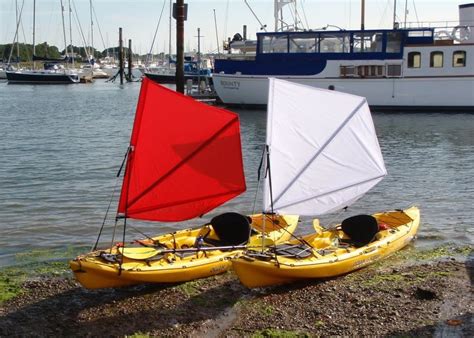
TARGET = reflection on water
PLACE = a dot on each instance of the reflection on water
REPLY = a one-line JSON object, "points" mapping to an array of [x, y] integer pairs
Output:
{"points": [[61, 147]]}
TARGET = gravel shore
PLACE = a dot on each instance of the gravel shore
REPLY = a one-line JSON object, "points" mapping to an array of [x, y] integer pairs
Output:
{"points": [[421, 296]]}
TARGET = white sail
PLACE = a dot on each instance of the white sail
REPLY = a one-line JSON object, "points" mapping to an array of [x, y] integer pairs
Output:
{"points": [[323, 149]]}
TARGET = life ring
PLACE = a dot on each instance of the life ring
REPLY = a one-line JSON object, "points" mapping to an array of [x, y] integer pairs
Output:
{"points": [[461, 33]]}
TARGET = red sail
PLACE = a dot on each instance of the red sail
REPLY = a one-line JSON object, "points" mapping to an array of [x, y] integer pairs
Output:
{"points": [[185, 157]]}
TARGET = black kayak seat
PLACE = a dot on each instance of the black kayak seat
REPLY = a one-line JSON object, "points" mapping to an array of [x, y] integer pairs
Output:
{"points": [[361, 229], [232, 228]]}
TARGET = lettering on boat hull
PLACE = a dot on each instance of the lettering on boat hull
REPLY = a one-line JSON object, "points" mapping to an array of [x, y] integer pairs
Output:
{"points": [[219, 269], [367, 261], [230, 84]]}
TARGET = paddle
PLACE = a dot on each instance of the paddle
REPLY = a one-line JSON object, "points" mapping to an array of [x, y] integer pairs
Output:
{"points": [[146, 253]]}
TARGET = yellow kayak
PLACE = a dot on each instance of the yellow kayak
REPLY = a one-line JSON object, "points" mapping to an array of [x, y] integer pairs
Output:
{"points": [[329, 253], [182, 255]]}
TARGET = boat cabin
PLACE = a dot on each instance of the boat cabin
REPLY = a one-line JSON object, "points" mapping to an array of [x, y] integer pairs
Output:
{"points": [[367, 53]]}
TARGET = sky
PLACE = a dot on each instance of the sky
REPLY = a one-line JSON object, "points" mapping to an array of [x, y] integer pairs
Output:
{"points": [[139, 19]]}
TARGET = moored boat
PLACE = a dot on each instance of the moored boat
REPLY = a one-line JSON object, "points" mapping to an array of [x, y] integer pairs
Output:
{"points": [[423, 68], [42, 77]]}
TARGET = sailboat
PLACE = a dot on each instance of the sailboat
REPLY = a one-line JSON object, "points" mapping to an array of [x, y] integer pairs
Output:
{"points": [[53, 72], [321, 158], [184, 160]]}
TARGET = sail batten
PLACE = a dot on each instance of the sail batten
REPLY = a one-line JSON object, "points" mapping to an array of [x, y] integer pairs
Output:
{"points": [[186, 158], [323, 149]]}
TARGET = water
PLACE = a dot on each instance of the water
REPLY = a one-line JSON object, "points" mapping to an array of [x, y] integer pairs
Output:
{"points": [[61, 147]]}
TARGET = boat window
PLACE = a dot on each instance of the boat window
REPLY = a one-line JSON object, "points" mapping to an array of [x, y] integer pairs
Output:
{"points": [[348, 71], [274, 44], [420, 33], [459, 58], [394, 42], [436, 59], [302, 43], [367, 42], [394, 70], [334, 43], [414, 60], [370, 71]]}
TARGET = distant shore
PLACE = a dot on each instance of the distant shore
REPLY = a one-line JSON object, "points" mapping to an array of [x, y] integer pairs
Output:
{"points": [[413, 293]]}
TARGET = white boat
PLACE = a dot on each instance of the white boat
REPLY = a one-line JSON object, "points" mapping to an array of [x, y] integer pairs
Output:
{"points": [[396, 69]]}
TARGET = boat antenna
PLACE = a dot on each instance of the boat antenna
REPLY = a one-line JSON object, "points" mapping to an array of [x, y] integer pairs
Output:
{"points": [[406, 13], [395, 14], [217, 35], [262, 26]]}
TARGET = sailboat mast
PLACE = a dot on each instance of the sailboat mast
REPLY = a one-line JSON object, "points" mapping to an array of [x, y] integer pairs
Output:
{"points": [[71, 50], [64, 31], [92, 30], [17, 41], [34, 32]]}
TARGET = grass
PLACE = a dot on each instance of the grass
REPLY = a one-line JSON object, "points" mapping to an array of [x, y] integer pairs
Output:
{"points": [[191, 288], [32, 264]]}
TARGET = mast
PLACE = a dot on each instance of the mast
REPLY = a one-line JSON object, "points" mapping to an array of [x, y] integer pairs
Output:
{"points": [[64, 31], [70, 33], [92, 30], [17, 41], [34, 30]]}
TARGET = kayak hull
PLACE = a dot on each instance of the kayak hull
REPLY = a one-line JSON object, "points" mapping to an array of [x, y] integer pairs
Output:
{"points": [[327, 259], [146, 264]]}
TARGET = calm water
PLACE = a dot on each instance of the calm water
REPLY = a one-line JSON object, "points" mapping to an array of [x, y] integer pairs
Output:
{"points": [[61, 147]]}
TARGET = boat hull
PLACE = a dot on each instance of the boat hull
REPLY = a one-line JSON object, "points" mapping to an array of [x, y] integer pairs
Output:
{"points": [[254, 272], [93, 271], [41, 78], [453, 93]]}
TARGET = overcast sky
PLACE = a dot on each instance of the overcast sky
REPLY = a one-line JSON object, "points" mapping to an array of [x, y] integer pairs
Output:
{"points": [[139, 19]]}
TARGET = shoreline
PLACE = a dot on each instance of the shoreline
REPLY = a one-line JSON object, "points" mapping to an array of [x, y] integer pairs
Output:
{"points": [[411, 293]]}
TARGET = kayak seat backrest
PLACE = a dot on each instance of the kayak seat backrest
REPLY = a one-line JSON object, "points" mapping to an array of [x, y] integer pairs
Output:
{"points": [[232, 228], [361, 229]]}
